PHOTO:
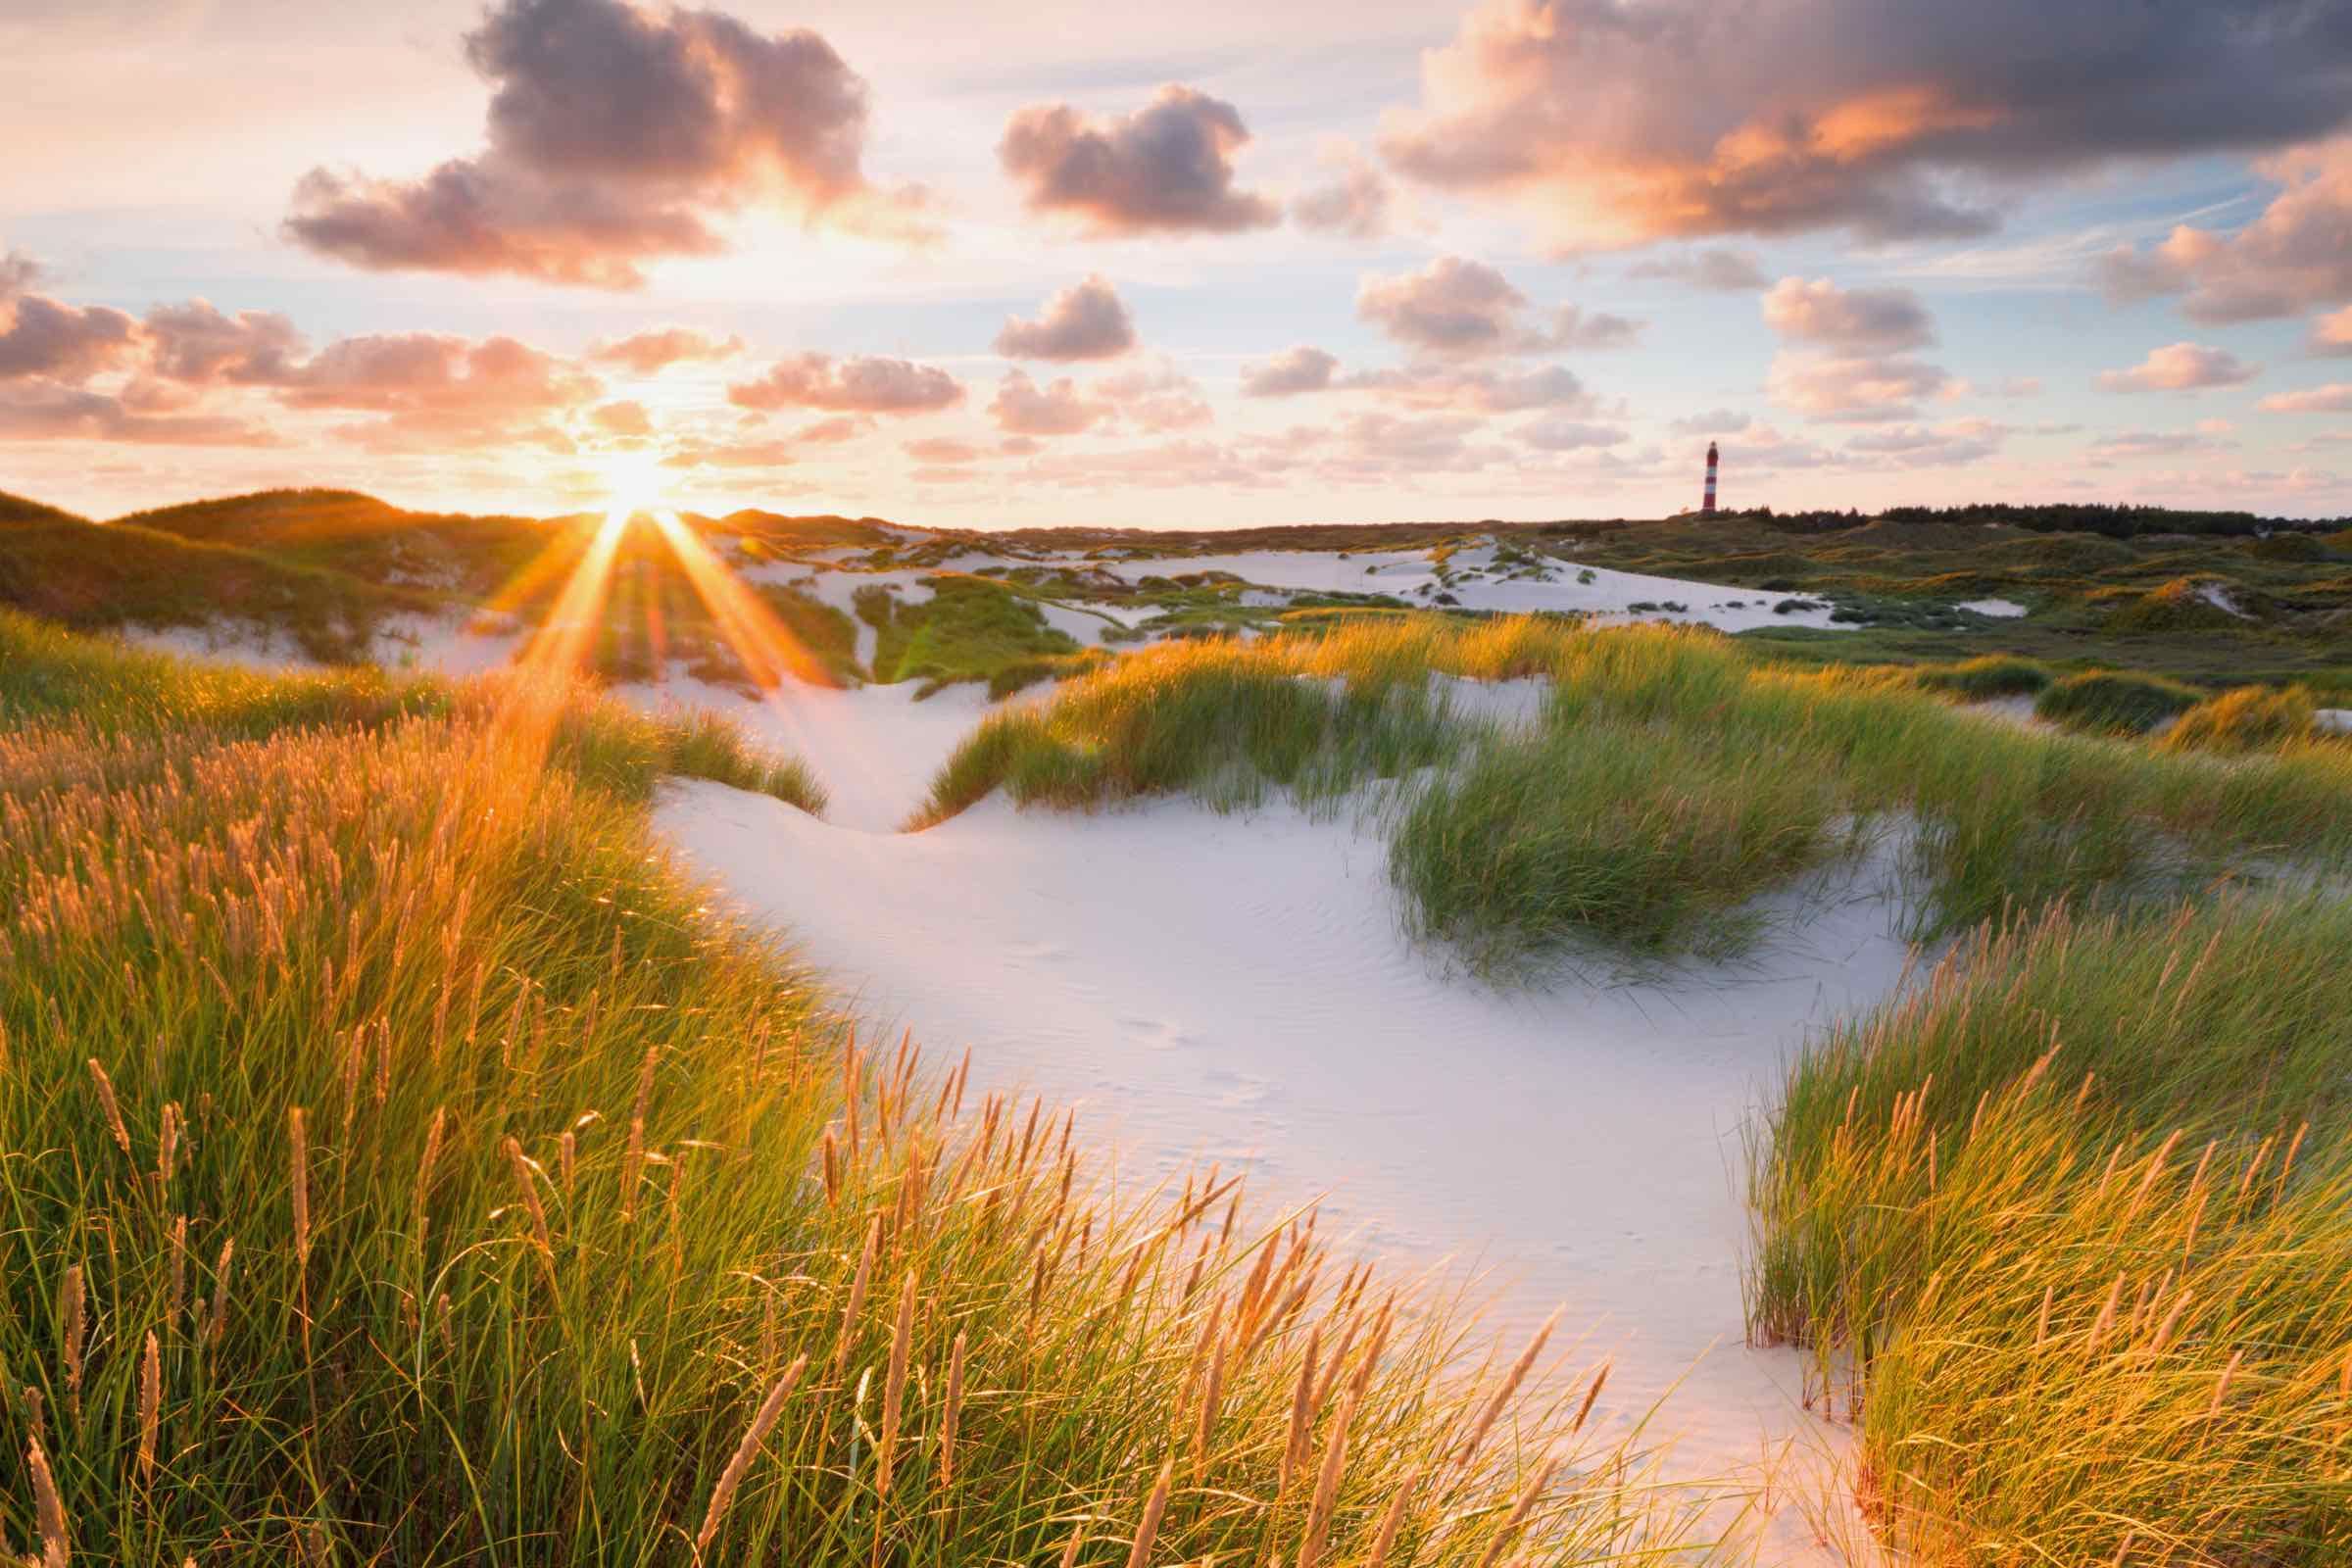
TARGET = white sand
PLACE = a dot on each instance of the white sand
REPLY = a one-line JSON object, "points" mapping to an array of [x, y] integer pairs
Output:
{"points": [[1237, 988], [873, 748], [2000, 609], [1413, 575]]}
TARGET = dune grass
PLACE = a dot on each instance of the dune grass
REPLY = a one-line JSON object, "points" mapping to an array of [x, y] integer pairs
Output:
{"points": [[970, 629], [2249, 719], [1669, 779], [2114, 701], [402, 1164], [1976, 680], [2073, 1226], [50, 674]]}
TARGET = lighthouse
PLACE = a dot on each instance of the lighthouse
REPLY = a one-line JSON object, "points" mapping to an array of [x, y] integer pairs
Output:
{"points": [[1707, 507]]}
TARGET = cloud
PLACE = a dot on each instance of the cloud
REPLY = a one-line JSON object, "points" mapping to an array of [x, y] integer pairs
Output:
{"points": [[1853, 388], [1460, 308], [1165, 168], [50, 338], [768, 452], [1087, 320], [1354, 204], [1714, 422], [1716, 267], [623, 418], [2155, 444], [1915, 445], [1304, 369], [1568, 435], [1850, 365], [649, 352], [195, 342], [36, 409], [2334, 397], [1022, 407], [2181, 368], [17, 274], [1451, 306], [941, 449], [2333, 334], [1156, 400], [1615, 123], [615, 137], [433, 390], [865, 384], [1859, 320], [1572, 328], [2296, 255], [1487, 391]]}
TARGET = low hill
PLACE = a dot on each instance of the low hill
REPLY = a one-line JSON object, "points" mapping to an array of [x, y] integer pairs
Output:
{"points": [[344, 530], [23, 509], [90, 576]]}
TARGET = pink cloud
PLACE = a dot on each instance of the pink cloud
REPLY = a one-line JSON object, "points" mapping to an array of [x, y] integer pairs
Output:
{"points": [[1165, 168]]}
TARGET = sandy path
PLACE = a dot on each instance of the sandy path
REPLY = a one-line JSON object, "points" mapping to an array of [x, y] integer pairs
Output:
{"points": [[1237, 988]]}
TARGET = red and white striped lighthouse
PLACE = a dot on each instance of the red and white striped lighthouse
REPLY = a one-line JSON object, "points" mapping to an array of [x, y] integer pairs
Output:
{"points": [[1707, 508]]}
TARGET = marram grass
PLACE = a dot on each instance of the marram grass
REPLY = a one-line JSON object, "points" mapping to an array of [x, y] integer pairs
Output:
{"points": [[1667, 780], [401, 1163], [2070, 1231]]}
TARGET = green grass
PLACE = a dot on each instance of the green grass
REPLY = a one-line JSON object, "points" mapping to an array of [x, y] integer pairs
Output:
{"points": [[51, 676], [1670, 780], [2073, 1228], [95, 576], [970, 629], [402, 1164], [2114, 701], [1977, 680]]}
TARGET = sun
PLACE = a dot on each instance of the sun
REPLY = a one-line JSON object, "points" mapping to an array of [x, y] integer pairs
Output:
{"points": [[632, 480]]}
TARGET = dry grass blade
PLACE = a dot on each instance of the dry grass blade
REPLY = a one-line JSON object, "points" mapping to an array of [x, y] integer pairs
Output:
{"points": [[894, 1387], [1510, 1386], [949, 1416], [764, 1420], [1146, 1530], [49, 1509], [151, 1404]]}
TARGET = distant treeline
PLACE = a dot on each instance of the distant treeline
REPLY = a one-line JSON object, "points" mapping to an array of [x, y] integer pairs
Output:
{"points": [[2117, 523]]}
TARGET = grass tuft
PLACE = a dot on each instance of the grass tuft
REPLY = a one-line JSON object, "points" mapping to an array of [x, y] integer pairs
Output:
{"points": [[2111, 702], [2071, 1226], [2252, 718]]}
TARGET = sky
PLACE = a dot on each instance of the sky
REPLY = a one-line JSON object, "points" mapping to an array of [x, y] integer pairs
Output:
{"points": [[1044, 262]]}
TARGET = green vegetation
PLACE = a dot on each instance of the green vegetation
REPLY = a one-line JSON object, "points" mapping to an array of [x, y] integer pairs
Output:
{"points": [[2249, 719], [1977, 680], [403, 1164], [103, 575], [2075, 1226], [50, 676], [1670, 779], [970, 629], [2110, 702]]}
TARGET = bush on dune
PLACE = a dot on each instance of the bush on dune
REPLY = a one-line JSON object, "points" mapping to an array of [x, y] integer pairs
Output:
{"points": [[1977, 680], [403, 1164], [2114, 701], [2074, 1223], [2248, 719]]}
